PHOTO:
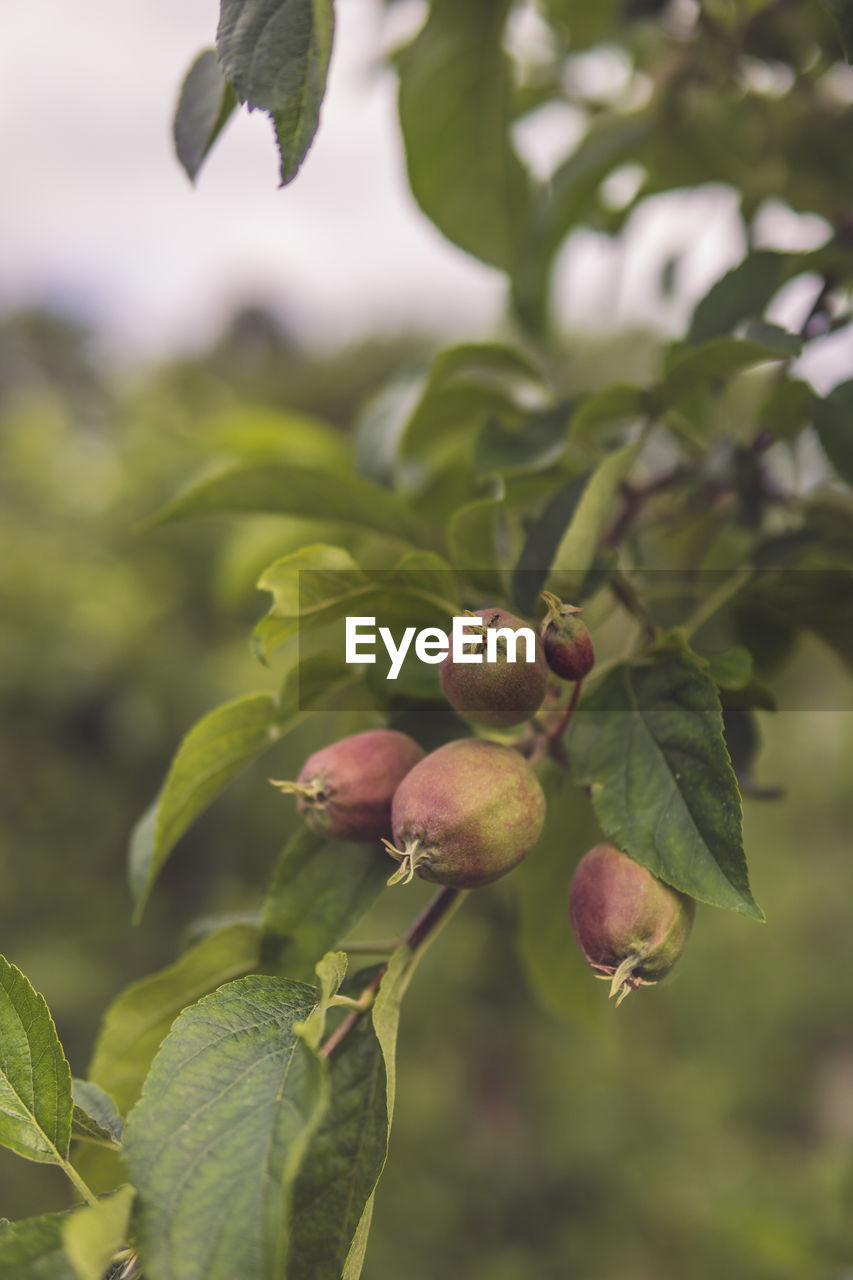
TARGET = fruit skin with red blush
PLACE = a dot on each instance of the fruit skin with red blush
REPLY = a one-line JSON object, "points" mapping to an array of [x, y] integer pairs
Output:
{"points": [[629, 925], [566, 641], [466, 815], [345, 790], [496, 694]]}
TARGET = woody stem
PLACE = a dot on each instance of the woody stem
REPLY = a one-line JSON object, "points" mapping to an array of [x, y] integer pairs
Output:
{"points": [[421, 929]]}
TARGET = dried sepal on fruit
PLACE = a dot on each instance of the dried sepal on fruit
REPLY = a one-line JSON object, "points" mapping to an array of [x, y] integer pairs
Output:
{"points": [[466, 815], [345, 790], [630, 926]]}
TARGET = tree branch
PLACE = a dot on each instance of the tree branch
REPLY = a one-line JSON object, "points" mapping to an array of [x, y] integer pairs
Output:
{"points": [[423, 926]]}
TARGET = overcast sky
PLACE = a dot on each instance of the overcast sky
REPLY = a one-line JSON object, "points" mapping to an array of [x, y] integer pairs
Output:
{"points": [[98, 217]]}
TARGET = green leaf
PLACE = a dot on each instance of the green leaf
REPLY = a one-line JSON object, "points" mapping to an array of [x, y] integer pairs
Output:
{"points": [[298, 491], [316, 681], [579, 543], [215, 1142], [276, 54], [205, 106], [815, 593], [535, 444], [697, 368], [386, 1021], [543, 539], [831, 515], [788, 407], [611, 140], [833, 421], [140, 1017], [251, 433], [572, 199], [441, 433], [468, 387], [472, 537], [35, 1079], [96, 1232], [462, 170], [649, 743], [214, 751], [203, 926], [320, 890], [343, 1161], [309, 587], [742, 292], [489, 361], [755, 693], [380, 425], [772, 336], [429, 577], [95, 1117], [331, 969], [731, 669], [555, 968], [318, 585], [32, 1249], [743, 742], [355, 1258], [618, 402], [842, 12]]}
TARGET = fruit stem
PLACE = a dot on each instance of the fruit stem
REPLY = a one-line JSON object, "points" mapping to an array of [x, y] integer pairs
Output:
{"points": [[555, 737], [423, 929]]}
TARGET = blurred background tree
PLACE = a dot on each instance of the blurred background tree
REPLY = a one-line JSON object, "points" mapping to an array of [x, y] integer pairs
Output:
{"points": [[708, 1125]]}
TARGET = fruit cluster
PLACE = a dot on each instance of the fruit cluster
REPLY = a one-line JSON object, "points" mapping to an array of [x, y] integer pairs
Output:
{"points": [[461, 816], [470, 811]]}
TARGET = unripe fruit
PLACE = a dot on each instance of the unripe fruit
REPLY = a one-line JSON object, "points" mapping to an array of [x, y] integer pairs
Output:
{"points": [[501, 693], [467, 814], [566, 640], [345, 790], [629, 925]]}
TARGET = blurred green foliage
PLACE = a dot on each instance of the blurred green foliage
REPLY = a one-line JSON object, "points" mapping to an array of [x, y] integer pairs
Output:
{"points": [[707, 1127], [115, 638]]}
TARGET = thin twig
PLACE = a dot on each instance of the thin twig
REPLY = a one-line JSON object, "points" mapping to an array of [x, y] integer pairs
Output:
{"points": [[429, 919], [634, 498], [343, 1028], [554, 741], [810, 327], [817, 324]]}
